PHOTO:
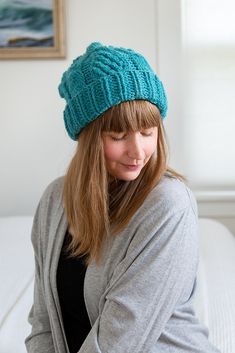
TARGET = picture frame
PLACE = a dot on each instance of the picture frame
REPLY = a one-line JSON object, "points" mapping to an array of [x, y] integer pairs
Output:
{"points": [[32, 29]]}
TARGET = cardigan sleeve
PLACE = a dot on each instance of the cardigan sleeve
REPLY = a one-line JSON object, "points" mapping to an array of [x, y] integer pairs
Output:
{"points": [[40, 338], [156, 275]]}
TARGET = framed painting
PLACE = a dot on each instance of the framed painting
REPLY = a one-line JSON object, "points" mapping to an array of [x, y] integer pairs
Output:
{"points": [[32, 29]]}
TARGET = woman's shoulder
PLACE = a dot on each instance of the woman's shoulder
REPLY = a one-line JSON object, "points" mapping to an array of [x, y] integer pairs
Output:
{"points": [[172, 193], [53, 191], [168, 206], [49, 201]]}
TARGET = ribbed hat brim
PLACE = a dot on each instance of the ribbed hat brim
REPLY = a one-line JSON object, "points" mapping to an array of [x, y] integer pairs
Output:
{"points": [[109, 91]]}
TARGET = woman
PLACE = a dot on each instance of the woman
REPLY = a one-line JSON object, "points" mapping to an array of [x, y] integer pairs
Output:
{"points": [[121, 224]]}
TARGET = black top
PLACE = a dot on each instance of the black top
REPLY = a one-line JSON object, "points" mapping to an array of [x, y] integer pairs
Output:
{"points": [[70, 281]]}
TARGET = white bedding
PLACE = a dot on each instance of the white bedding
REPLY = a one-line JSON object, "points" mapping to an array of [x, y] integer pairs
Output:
{"points": [[215, 290], [215, 303], [16, 274]]}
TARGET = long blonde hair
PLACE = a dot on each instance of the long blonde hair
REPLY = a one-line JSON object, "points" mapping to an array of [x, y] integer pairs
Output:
{"points": [[93, 203]]}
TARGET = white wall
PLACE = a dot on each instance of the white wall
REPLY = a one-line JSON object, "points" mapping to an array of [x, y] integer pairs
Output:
{"points": [[34, 146]]}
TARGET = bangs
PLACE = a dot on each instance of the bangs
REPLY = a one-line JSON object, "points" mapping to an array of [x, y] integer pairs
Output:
{"points": [[130, 116]]}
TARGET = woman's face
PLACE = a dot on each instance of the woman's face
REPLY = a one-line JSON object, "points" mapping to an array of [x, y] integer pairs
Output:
{"points": [[127, 153]]}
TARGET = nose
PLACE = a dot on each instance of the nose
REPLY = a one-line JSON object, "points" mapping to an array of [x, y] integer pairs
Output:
{"points": [[135, 148]]}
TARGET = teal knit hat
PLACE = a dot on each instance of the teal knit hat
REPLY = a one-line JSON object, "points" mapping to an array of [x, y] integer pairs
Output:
{"points": [[103, 77]]}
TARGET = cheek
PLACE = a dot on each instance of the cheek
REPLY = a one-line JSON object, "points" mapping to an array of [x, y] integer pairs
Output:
{"points": [[111, 151], [150, 148]]}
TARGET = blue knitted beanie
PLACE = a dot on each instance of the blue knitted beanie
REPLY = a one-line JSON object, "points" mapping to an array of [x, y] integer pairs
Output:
{"points": [[103, 77]]}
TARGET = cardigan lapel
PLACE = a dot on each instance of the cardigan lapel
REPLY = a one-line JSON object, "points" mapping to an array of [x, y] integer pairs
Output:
{"points": [[56, 235]]}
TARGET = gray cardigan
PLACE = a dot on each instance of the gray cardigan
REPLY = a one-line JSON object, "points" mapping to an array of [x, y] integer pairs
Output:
{"points": [[140, 299]]}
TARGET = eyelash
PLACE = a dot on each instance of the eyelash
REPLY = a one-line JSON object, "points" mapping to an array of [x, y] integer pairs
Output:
{"points": [[121, 138]]}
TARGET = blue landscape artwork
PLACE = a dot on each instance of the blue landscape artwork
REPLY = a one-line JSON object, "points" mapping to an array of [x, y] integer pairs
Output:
{"points": [[25, 23]]}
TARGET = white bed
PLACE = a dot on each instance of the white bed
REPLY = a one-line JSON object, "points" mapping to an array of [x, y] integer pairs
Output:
{"points": [[215, 292]]}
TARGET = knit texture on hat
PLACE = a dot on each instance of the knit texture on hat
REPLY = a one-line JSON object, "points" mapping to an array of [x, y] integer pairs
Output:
{"points": [[103, 77]]}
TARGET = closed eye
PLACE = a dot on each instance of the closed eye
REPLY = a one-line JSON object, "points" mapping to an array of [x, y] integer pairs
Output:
{"points": [[117, 138], [146, 134]]}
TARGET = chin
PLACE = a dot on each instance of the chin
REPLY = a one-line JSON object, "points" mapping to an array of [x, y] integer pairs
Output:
{"points": [[128, 177], [124, 175]]}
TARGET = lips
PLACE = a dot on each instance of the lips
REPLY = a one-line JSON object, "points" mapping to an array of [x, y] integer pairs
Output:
{"points": [[132, 167]]}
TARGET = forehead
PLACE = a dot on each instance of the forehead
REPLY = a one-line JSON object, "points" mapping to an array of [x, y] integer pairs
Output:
{"points": [[130, 116]]}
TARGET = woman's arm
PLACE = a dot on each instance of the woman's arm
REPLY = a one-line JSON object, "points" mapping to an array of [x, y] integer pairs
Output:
{"points": [[40, 338], [155, 277]]}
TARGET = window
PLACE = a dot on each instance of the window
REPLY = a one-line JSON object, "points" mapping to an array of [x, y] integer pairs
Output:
{"points": [[200, 34]]}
